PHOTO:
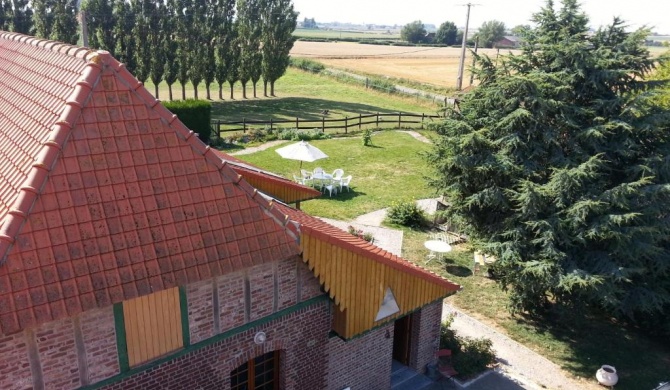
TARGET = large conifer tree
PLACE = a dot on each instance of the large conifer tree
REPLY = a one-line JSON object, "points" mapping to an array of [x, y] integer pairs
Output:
{"points": [[558, 163]]}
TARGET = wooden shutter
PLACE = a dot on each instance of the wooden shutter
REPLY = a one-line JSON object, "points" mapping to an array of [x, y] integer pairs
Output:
{"points": [[153, 325]]}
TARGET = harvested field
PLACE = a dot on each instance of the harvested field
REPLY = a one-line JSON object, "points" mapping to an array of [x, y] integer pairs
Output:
{"points": [[430, 65]]}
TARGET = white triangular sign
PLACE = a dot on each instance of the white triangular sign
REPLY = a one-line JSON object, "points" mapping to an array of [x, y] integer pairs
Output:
{"points": [[388, 307]]}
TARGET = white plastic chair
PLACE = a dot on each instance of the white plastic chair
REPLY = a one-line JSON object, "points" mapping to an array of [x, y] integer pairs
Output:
{"points": [[330, 186], [344, 182], [318, 171]]}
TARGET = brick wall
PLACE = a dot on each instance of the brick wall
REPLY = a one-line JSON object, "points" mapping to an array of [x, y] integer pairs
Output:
{"points": [[99, 336], [231, 300], [301, 336], [361, 363], [425, 335], [14, 363], [200, 310], [287, 282], [58, 354], [309, 285], [262, 291]]}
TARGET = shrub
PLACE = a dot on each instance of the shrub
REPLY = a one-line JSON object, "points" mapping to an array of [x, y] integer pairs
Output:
{"points": [[367, 236], [307, 65], [301, 135], [469, 356], [474, 356], [407, 213], [194, 114], [367, 137]]}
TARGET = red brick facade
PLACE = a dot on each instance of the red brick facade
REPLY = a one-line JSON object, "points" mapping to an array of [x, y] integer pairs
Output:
{"points": [[200, 310], [14, 363], [82, 350], [99, 336], [301, 336], [361, 363], [58, 355], [425, 337]]}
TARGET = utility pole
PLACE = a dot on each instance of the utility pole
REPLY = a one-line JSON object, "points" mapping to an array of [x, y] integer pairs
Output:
{"points": [[461, 65]]}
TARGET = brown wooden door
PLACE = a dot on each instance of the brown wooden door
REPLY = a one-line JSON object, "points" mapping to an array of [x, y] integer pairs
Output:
{"points": [[402, 332]]}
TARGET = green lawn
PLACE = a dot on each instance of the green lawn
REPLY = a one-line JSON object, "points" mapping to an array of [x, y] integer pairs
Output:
{"points": [[339, 34], [393, 170], [389, 170]]}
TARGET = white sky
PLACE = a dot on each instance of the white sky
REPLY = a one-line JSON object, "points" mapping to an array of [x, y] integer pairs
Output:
{"points": [[653, 13]]}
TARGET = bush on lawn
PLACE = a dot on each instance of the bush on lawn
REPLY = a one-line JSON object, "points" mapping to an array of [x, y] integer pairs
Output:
{"points": [[407, 213]]}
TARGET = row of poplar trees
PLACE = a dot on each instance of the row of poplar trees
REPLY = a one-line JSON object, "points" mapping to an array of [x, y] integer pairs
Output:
{"points": [[196, 41]]}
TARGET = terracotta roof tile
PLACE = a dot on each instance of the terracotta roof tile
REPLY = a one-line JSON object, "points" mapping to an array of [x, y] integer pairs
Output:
{"points": [[104, 195]]}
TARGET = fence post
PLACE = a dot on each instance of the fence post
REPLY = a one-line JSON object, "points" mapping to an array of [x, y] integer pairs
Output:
{"points": [[218, 128], [377, 121], [346, 124], [297, 125], [271, 124], [399, 118], [360, 119], [423, 116], [244, 125], [366, 83], [323, 124]]}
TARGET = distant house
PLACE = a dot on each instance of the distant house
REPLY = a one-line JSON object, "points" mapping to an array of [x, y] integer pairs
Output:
{"points": [[133, 256], [507, 42]]}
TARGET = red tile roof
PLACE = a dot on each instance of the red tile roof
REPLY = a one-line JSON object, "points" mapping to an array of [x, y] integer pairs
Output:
{"points": [[270, 180], [105, 195], [345, 240]]}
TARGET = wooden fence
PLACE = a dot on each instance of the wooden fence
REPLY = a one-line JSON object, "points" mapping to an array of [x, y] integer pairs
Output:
{"points": [[398, 118]]}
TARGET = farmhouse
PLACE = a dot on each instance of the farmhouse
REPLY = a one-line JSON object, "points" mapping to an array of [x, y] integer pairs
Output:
{"points": [[134, 256], [508, 41]]}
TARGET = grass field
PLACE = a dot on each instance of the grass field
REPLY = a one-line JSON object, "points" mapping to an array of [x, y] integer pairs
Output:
{"points": [[388, 170], [339, 34], [431, 65], [305, 95]]}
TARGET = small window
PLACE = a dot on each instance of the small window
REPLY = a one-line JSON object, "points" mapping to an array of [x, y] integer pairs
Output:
{"points": [[260, 373]]}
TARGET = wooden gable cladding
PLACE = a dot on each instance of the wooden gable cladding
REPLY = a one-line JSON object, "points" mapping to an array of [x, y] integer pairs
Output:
{"points": [[283, 190], [357, 282]]}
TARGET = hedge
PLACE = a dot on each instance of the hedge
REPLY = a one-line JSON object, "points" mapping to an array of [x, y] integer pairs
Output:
{"points": [[195, 114]]}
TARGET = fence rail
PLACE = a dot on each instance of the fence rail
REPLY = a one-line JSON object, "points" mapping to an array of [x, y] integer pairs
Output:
{"points": [[398, 118]]}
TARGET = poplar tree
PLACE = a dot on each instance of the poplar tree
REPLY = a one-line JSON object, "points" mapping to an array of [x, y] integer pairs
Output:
{"points": [[224, 41], [558, 164], [184, 46], [279, 21], [5, 14], [232, 60], [124, 41], [170, 46], [214, 23], [159, 22], [64, 27], [21, 20], [249, 32], [200, 36], [142, 51], [100, 22]]}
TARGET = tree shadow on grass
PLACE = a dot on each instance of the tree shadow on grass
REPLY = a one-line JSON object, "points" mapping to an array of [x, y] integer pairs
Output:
{"points": [[291, 107], [597, 339], [458, 270]]}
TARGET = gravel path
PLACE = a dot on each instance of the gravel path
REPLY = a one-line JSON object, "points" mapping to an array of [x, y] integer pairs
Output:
{"points": [[258, 148], [528, 368]]}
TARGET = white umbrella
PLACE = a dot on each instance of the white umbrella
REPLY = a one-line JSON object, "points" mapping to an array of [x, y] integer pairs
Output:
{"points": [[301, 151]]}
